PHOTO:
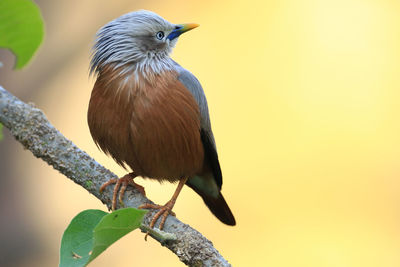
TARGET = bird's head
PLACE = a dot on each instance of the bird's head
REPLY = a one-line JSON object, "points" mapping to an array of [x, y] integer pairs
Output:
{"points": [[140, 39]]}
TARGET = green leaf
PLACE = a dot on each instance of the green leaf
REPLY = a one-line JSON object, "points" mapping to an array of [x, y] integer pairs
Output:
{"points": [[114, 226], [93, 231], [77, 241], [21, 29]]}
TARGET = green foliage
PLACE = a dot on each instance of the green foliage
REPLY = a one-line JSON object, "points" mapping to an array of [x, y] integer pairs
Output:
{"points": [[93, 231], [21, 29], [77, 241]]}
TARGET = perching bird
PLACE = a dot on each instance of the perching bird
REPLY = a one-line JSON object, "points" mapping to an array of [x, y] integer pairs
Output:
{"points": [[150, 114]]}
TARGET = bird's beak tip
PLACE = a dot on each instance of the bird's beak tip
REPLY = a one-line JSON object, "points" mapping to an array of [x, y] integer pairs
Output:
{"points": [[188, 26]]}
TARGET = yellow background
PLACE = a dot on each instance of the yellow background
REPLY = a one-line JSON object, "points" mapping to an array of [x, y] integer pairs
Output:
{"points": [[304, 101]]}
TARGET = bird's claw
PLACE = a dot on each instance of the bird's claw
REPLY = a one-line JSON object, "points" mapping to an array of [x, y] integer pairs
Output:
{"points": [[164, 211], [122, 183]]}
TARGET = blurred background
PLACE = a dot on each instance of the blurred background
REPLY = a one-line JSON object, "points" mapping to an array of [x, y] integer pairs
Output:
{"points": [[304, 100]]}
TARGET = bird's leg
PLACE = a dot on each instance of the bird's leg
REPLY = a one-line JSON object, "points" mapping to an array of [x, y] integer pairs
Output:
{"points": [[165, 210], [122, 183]]}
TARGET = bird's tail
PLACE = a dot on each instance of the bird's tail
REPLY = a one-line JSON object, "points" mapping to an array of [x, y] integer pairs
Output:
{"points": [[209, 191]]}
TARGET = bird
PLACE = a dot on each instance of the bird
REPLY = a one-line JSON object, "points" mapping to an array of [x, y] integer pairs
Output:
{"points": [[151, 115]]}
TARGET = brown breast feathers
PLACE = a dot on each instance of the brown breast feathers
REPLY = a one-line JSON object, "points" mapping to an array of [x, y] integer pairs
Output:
{"points": [[152, 124]]}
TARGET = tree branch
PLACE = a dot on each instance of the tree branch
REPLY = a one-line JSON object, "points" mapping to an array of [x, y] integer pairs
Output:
{"points": [[32, 129]]}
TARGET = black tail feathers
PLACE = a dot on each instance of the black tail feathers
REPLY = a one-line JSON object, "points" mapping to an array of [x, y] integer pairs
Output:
{"points": [[213, 198], [220, 209]]}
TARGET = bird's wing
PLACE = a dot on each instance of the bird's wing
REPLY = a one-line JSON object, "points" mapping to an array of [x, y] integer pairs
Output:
{"points": [[207, 137], [207, 185], [194, 86]]}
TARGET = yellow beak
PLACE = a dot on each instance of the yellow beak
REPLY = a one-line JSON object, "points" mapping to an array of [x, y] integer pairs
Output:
{"points": [[181, 28]]}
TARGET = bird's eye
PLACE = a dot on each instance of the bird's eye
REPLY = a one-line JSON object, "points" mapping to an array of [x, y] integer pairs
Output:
{"points": [[160, 35]]}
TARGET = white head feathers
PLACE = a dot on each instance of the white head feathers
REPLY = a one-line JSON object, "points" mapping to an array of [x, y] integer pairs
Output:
{"points": [[137, 40]]}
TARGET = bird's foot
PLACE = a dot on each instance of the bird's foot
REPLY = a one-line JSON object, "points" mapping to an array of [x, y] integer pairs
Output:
{"points": [[164, 211], [122, 183]]}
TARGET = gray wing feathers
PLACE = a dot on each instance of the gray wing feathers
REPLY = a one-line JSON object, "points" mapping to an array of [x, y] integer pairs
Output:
{"points": [[194, 86], [207, 137], [207, 186]]}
